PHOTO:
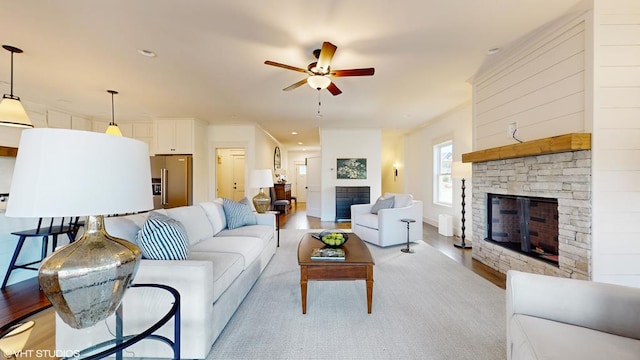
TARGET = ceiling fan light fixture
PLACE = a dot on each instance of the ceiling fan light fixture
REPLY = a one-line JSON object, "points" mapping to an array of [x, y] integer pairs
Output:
{"points": [[318, 82]]}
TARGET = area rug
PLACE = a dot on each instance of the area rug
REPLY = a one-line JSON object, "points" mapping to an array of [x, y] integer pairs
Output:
{"points": [[425, 306]]}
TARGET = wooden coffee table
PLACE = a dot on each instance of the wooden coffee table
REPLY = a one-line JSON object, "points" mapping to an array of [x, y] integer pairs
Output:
{"points": [[358, 265]]}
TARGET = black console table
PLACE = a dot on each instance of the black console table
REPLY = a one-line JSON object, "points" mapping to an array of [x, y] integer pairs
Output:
{"points": [[347, 196], [119, 341]]}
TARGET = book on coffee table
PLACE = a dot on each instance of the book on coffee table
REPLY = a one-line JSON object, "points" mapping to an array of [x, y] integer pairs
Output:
{"points": [[327, 254]]}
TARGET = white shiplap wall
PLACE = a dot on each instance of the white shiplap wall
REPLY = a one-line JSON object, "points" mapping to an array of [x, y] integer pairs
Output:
{"points": [[540, 85], [616, 142]]}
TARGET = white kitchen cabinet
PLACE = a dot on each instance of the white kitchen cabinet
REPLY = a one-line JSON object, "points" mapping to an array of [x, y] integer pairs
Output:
{"points": [[59, 120], [80, 123], [174, 136]]}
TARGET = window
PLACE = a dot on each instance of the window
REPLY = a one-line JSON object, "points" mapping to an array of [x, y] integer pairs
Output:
{"points": [[442, 181]]}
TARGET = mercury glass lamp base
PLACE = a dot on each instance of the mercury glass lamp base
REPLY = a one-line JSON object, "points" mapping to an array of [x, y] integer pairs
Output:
{"points": [[86, 279], [262, 202]]}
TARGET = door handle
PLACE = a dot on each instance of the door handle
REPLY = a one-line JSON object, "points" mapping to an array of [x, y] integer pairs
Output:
{"points": [[163, 186]]}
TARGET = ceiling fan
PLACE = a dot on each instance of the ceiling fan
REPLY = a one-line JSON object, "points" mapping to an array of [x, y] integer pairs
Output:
{"points": [[320, 72]]}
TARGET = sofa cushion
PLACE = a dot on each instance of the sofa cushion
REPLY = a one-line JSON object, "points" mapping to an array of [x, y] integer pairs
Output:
{"points": [[537, 338], [382, 203], [368, 220], [122, 227], [226, 268], [163, 238], [215, 214], [400, 200], [238, 213], [195, 221], [249, 247], [264, 232]]}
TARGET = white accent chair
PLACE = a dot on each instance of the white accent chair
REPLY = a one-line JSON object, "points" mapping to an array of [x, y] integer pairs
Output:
{"points": [[385, 228], [556, 318]]}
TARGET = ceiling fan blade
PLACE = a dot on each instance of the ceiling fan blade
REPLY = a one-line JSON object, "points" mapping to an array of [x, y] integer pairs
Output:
{"points": [[333, 89], [326, 54], [296, 85], [273, 63], [353, 72]]}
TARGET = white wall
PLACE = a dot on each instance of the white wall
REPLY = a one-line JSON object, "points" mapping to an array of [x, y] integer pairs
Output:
{"points": [[293, 158], [346, 143], [455, 125], [616, 144], [539, 84], [393, 156]]}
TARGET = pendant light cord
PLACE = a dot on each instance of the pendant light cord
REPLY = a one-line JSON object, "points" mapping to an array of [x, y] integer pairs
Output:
{"points": [[11, 87], [113, 117]]}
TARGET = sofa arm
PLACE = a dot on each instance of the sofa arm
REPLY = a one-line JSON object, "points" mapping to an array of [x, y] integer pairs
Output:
{"points": [[389, 224], [598, 306], [266, 219]]}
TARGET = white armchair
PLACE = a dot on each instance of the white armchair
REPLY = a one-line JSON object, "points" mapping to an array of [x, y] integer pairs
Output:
{"points": [[385, 228]]}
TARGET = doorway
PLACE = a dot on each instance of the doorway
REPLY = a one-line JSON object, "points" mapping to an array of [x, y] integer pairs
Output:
{"points": [[230, 173], [300, 191]]}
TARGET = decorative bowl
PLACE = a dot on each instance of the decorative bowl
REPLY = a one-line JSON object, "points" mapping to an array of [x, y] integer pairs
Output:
{"points": [[333, 238]]}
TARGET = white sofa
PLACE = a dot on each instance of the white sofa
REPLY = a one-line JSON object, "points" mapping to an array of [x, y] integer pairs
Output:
{"points": [[385, 228], [558, 318], [220, 271]]}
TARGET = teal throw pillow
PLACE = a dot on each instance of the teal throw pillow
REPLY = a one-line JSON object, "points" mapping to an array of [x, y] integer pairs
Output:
{"points": [[238, 213], [163, 238], [382, 203]]}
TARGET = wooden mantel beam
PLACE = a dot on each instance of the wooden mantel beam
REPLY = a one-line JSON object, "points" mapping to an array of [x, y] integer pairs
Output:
{"points": [[8, 151], [550, 145]]}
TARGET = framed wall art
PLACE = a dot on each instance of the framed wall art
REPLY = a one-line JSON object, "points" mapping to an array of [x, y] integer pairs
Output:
{"points": [[352, 168], [277, 160]]}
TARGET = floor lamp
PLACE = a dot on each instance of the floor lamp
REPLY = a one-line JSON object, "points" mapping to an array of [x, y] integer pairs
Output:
{"points": [[462, 170]]}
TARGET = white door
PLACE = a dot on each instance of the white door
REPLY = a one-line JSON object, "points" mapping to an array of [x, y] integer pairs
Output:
{"points": [[238, 177], [314, 188], [301, 183], [230, 173]]}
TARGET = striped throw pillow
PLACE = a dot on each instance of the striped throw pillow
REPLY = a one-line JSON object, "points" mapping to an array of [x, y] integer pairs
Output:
{"points": [[163, 238], [238, 213]]}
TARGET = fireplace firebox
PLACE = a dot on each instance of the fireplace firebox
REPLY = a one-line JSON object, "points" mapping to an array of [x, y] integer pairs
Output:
{"points": [[528, 225]]}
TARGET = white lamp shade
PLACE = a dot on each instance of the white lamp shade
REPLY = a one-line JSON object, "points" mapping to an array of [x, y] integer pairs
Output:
{"points": [[12, 114], [77, 173], [460, 170], [262, 178], [318, 82]]}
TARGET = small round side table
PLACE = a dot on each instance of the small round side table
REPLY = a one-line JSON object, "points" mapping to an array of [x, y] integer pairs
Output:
{"points": [[407, 249]]}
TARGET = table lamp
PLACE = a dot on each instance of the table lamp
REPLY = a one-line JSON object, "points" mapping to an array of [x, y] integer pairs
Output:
{"points": [[261, 179], [63, 173]]}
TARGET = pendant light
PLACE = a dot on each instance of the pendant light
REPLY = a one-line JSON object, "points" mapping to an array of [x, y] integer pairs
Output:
{"points": [[113, 127], [11, 111]]}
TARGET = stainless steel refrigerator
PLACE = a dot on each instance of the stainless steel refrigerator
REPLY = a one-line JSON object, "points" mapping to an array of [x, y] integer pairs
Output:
{"points": [[171, 179]]}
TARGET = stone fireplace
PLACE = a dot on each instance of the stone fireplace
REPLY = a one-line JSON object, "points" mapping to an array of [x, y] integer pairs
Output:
{"points": [[563, 176]]}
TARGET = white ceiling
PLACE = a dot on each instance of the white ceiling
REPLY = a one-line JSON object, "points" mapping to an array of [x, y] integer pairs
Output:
{"points": [[211, 53]]}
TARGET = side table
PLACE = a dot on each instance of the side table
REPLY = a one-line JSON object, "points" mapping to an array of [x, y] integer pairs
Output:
{"points": [[407, 249], [277, 214]]}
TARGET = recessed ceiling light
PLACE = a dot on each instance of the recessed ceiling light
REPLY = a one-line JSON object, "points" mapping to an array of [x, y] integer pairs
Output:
{"points": [[294, 133], [299, 143], [147, 53], [493, 51]]}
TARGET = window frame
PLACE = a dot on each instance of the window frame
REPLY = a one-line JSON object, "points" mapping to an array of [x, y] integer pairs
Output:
{"points": [[443, 180]]}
